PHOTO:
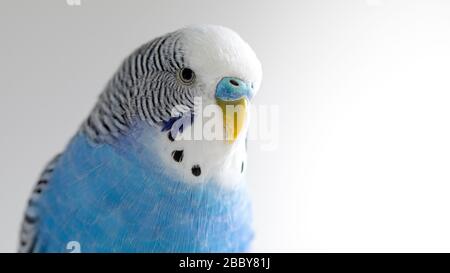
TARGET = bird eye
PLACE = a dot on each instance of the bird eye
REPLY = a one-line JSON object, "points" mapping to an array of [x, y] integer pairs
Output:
{"points": [[186, 75]]}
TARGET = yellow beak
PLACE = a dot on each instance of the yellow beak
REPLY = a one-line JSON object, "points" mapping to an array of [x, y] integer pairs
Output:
{"points": [[234, 115]]}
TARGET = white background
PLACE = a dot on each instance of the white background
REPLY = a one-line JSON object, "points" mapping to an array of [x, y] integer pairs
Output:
{"points": [[363, 89]]}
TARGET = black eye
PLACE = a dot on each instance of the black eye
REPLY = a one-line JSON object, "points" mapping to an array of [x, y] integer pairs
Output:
{"points": [[186, 75]]}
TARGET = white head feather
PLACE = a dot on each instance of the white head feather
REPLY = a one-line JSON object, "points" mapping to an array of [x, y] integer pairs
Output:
{"points": [[212, 52]]}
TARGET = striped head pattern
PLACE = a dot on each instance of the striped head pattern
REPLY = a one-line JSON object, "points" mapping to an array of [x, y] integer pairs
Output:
{"points": [[212, 63], [170, 71]]}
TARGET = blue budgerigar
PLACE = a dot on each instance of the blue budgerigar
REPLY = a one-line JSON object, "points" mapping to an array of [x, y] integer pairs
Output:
{"points": [[130, 180]]}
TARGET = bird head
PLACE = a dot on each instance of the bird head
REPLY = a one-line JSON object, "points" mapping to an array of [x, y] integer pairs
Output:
{"points": [[170, 72], [226, 71]]}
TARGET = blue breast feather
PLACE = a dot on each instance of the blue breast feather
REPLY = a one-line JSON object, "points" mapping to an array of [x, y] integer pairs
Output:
{"points": [[103, 198]]}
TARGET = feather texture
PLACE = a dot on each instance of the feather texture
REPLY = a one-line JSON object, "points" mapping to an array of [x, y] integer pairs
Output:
{"points": [[124, 184]]}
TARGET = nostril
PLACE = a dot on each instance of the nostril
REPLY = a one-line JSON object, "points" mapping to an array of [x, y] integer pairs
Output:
{"points": [[234, 82]]}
